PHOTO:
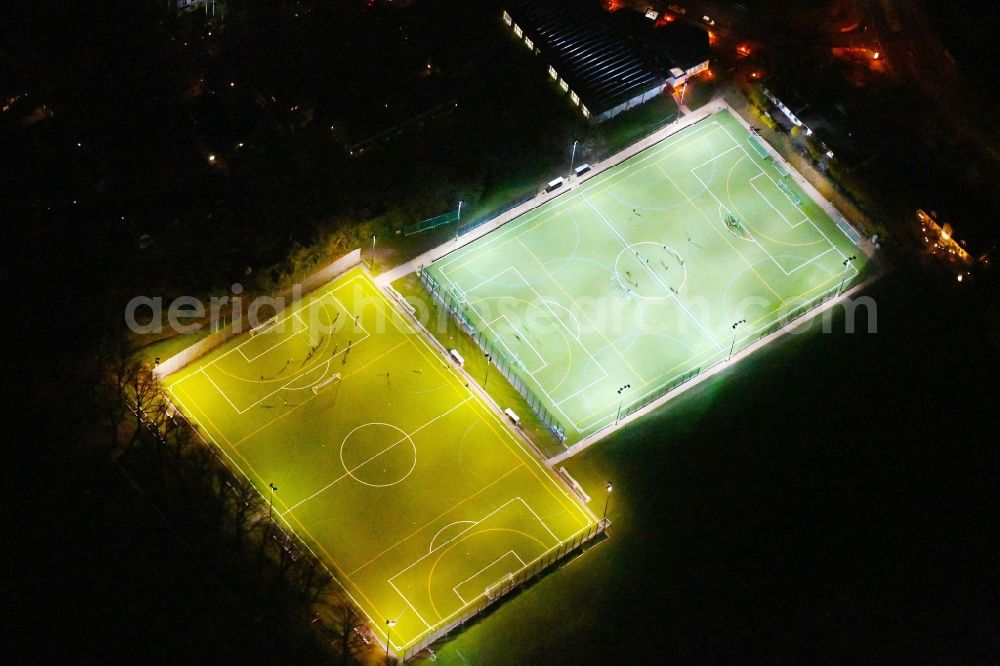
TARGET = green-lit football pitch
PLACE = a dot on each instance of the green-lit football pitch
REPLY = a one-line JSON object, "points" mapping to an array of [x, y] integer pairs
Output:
{"points": [[393, 471], [612, 292]]}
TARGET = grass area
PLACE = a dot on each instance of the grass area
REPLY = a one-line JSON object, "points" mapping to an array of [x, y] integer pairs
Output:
{"points": [[700, 92], [407, 485], [627, 128], [605, 297], [171, 346]]}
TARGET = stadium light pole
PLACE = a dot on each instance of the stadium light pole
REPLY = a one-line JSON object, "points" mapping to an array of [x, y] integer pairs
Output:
{"points": [[621, 399], [489, 360], [388, 632], [458, 219], [372, 262], [270, 502], [572, 160], [606, 500], [847, 262], [733, 346]]}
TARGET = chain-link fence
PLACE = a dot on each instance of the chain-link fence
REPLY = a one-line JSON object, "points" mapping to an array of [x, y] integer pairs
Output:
{"points": [[512, 583], [454, 301]]}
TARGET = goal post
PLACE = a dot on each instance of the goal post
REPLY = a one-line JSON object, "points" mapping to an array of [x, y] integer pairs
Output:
{"points": [[263, 326], [325, 383]]}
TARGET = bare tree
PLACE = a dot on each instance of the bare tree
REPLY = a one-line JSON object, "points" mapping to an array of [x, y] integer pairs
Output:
{"points": [[345, 621], [112, 371], [247, 502]]}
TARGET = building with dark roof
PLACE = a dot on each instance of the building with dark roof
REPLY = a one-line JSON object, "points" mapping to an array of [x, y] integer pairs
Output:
{"points": [[826, 123], [677, 49], [592, 59]]}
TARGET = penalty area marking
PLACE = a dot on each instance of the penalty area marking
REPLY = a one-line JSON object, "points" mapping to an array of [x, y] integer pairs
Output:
{"points": [[470, 531], [503, 578]]}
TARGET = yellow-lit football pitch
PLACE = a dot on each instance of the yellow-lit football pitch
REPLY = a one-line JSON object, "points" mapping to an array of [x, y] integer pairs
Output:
{"points": [[387, 465]]}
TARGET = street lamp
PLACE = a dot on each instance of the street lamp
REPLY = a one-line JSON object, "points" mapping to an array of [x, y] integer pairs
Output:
{"points": [[489, 360], [847, 262], [372, 262], [606, 500], [270, 503], [620, 400], [733, 346], [388, 632], [572, 160]]}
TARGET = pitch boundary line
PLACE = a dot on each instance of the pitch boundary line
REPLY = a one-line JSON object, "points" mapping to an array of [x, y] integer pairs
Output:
{"points": [[471, 528], [496, 335], [332, 560], [602, 179], [563, 327], [796, 225], [791, 170], [763, 249], [406, 601], [369, 608]]}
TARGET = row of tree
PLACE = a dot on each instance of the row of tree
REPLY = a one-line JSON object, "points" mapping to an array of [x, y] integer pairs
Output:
{"points": [[220, 515]]}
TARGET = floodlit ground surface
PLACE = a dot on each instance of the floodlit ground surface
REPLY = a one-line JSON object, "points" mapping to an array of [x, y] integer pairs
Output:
{"points": [[636, 277], [414, 493]]}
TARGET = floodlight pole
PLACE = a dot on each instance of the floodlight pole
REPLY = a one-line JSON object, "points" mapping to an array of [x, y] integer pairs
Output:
{"points": [[847, 262], [372, 262], [388, 632], [489, 360], [606, 500], [458, 219], [621, 400], [270, 503], [732, 347], [572, 160]]}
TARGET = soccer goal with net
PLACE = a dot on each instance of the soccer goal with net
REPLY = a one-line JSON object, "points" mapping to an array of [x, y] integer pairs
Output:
{"points": [[263, 326], [325, 383]]}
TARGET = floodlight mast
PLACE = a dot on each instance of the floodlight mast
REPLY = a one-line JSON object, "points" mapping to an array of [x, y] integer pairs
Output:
{"points": [[270, 503], [458, 219], [606, 500], [388, 632], [621, 399], [732, 347], [847, 262], [572, 160]]}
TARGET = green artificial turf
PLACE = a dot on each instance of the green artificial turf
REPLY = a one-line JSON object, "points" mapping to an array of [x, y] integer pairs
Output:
{"points": [[628, 284], [415, 494]]}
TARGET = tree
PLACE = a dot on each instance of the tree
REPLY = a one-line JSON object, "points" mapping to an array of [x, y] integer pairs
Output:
{"points": [[147, 404], [113, 369], [247, 502], [344, 624]]}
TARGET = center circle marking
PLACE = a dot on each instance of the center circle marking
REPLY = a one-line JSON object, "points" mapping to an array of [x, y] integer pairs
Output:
{"points": [[657, 254], [387, 448]]}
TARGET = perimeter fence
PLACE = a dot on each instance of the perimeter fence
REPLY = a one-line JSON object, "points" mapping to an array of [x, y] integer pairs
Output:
{"points": [[495, 352]]}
